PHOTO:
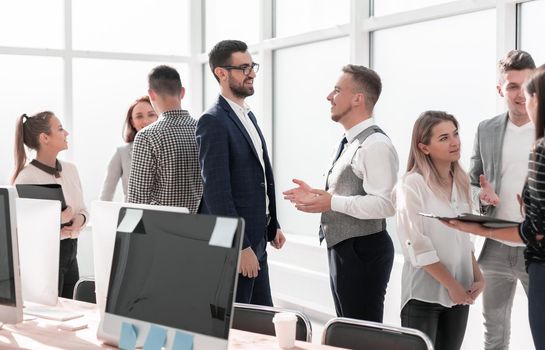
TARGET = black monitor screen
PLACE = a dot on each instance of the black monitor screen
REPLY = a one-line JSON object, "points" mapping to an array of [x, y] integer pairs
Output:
{"points": [[166, 272], [7, 280]]}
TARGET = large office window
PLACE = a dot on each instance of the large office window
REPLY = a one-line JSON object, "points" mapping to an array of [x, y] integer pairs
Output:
{"points": [[29, 85], [32, 23], [295, 17], [532, 28], [304, 134], [234, 19], [134, 26], [447, 64], [388, 7]]}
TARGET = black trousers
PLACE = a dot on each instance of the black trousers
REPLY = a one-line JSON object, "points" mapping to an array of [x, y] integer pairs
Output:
{"points": [[68, 268], [256, 290], [359, 271], [445, 326]]}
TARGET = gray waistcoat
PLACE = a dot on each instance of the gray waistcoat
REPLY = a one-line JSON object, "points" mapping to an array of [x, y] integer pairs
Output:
{"points": [[341, 180]]}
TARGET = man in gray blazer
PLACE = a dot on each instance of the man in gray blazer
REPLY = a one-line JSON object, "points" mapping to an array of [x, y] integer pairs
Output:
{"points": [[498, 172]]}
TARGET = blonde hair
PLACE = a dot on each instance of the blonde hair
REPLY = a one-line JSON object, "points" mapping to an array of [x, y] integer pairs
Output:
{"points": [[422, 164]]}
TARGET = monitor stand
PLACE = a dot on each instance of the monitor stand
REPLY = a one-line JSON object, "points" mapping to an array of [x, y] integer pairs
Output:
{"points": [[50, 313]]}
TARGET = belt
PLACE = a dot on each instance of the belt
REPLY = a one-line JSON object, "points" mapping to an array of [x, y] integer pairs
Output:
{"points": [[268, 219]]}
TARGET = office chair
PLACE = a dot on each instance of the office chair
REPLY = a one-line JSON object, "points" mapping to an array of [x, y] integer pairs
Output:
{"points": [[85, 290], [258, 319], [357, 334]]}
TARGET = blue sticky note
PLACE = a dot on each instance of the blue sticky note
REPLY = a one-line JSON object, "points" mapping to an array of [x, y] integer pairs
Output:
{"points": [[127, 340], [182, 341], [156, 339]]}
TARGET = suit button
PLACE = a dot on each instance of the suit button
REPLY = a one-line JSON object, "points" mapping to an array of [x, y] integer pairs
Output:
{"points": [[262, 184]]}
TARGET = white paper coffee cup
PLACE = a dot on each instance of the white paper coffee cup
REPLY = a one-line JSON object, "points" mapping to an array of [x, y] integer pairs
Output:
{"points": [[284, 327]]}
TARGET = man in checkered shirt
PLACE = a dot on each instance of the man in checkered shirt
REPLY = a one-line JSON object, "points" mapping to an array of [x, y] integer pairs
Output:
{"points": [[165, 166]]}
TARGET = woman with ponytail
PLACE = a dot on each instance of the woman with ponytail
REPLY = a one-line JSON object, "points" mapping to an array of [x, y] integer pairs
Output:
{"points": [[43, 133], [440, 277]]}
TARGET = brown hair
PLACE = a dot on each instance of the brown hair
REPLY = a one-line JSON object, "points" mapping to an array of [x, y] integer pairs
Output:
{"points": [[367, 81], [27, 133], [129, 131], [165, 81], [421, 163], [515, 60], [535, 84]]}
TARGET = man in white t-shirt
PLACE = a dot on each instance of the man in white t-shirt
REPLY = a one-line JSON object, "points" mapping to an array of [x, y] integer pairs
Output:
{"points": [[500, 162]]}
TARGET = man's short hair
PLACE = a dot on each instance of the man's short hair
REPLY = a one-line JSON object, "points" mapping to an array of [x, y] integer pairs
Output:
{"points": [[165, 80], [515, 60], [367, 81], [220, 55]]}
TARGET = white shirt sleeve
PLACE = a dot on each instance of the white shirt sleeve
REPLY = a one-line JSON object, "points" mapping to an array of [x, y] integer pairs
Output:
{"points": [[410, 225], [376, 163]]}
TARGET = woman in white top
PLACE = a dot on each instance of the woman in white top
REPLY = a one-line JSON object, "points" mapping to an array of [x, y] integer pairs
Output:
{"points": [[43, 132], [139, 115], [440, 276]]}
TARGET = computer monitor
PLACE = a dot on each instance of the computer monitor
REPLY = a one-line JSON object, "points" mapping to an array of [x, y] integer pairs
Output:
{"points": [[38, 225], [11, 303], [175, 270], [104, 217]]}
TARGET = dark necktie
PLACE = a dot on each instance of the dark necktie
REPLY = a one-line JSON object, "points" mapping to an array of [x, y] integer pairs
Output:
{"points": [[340, 150]]}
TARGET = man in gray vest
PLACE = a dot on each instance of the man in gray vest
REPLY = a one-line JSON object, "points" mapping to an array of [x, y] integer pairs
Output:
{"points": [[499, 165], [356, 200]]}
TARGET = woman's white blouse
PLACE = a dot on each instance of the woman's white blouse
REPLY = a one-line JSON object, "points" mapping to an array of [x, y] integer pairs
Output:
{"points": [[425, 241]]}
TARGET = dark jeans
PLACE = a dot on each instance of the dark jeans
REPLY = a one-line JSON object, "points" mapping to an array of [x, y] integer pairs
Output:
{"points": [[445, 326], [536, 303], [68, 268], [256, 290], [359, 271]]}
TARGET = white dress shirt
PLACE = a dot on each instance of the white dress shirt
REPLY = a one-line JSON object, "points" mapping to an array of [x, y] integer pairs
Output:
{"points": [[376, 163], [242, 114], [426, 241], [517, 143]]}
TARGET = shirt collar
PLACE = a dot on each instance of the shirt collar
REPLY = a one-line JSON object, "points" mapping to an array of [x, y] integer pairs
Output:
{"points": [[354, 131], [236, 107], [53, 171], [174, 113]]}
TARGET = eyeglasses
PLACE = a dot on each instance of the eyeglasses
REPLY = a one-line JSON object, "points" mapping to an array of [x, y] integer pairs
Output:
{"points": [[245, 68]]}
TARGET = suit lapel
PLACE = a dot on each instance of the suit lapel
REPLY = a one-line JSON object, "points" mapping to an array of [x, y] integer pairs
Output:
{"points": [[499, 130], [233, 116]]}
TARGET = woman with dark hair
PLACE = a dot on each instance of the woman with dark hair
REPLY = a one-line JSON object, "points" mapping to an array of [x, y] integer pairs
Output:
{"points": [[139, 115], [43, 132], [532, 229], [440, 277]]}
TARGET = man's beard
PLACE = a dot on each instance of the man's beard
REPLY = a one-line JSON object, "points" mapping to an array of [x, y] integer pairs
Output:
{"points": [[240, 90], [338, 116]]}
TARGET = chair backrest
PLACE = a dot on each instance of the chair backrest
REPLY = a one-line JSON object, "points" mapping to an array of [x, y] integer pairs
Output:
{"points": [[357, 334], [85, 290], [258, 319]]}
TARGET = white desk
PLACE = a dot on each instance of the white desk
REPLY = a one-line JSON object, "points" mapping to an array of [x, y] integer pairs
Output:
{"points": [[44, 335]]}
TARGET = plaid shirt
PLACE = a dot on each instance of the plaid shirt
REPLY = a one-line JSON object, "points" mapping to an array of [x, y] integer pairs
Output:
{"points": [[165, 167]]}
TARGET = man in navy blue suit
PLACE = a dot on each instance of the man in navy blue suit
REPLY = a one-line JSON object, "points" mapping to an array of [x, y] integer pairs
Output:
{"points": [[236, 170]]}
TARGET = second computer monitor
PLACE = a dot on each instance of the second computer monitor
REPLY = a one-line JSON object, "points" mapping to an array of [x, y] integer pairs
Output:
{"points": [[174, 270], [38, 224]]}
